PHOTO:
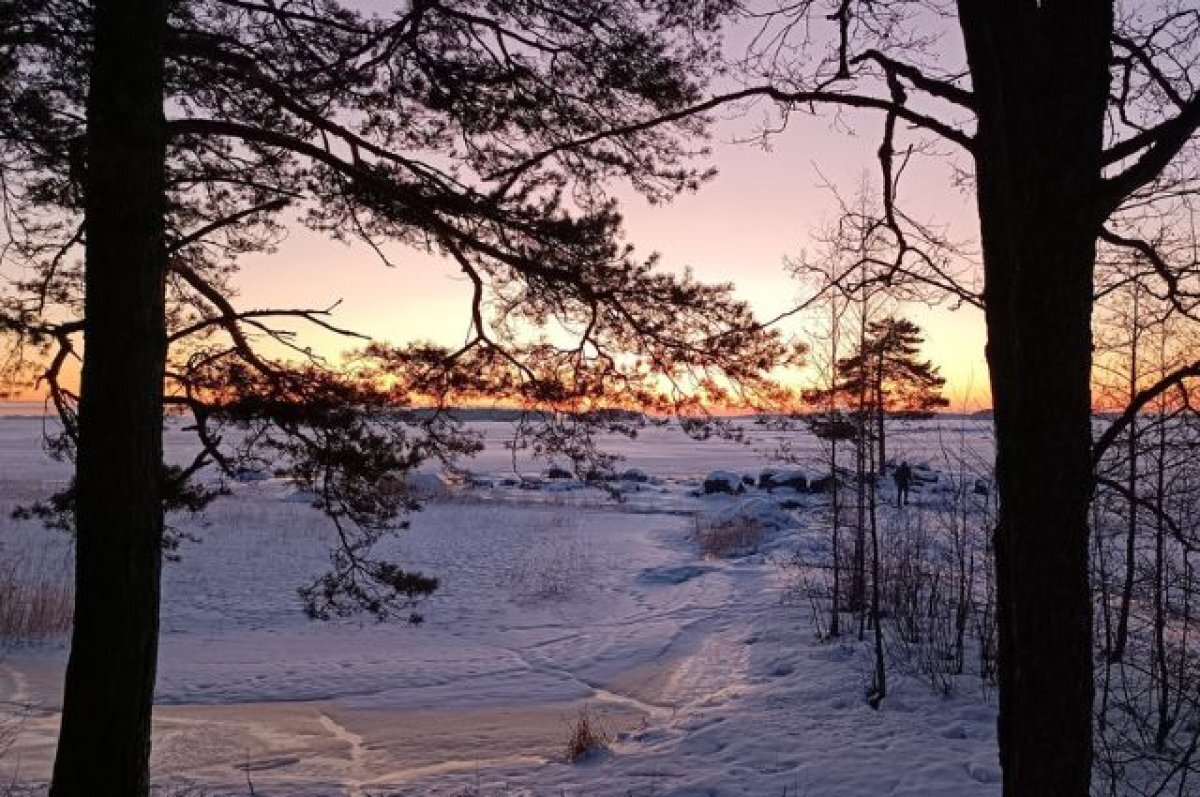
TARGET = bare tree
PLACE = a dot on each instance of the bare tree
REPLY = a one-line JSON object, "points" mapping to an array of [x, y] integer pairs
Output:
{"points": [[1145, 523], [1069, 122], [1075, 127]]}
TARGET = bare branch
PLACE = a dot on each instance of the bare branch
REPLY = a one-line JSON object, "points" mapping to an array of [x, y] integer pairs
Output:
{"points": [[920, 120], [1140, 400]]}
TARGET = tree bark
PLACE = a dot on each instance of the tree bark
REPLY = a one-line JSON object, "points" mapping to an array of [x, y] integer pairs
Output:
{"points": [[880, 414], [1131, 482], [1040, 75], [104, 743]]}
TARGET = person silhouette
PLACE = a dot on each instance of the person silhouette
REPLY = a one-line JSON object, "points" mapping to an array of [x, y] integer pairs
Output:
{"points": [[903, 478]]}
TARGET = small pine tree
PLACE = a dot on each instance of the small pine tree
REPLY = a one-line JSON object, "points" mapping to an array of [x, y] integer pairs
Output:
{"points": [[885, 377]]}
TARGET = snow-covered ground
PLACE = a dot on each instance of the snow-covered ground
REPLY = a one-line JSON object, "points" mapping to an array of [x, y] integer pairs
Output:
{"points": [[706, 673]]}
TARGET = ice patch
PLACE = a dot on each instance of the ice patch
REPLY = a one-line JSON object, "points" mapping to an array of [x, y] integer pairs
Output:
{"points": [[672, 575]]}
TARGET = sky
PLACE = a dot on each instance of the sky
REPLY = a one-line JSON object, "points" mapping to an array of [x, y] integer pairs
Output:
{"points": [[762, 208]]}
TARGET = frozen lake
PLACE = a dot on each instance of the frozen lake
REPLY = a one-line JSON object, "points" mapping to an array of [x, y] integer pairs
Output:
{"points": [[706, 677]]}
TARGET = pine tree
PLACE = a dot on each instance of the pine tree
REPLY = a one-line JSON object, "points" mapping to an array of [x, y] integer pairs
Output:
{"points": [[883, 378], [146, 146]]}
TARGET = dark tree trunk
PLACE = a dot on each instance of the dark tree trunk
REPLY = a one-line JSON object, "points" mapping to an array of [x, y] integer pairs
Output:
{"points": [[1040, 73], [880, 416], [104, 744], [835, 504], [878, 691], [1131, 483]]}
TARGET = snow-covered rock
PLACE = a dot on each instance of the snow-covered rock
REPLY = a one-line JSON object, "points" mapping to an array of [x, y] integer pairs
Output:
{"points": [[300, 495], [635, 475], [723, 481], [419, 484], [561, 485], [762, 511], [250, 473], [824, 484], [770, 478], [427, 485]]}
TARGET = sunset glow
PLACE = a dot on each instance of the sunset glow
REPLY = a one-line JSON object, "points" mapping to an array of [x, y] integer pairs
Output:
{"points": [[762, 208]]}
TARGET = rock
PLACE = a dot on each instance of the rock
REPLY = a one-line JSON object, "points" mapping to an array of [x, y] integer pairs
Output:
{"points": [[923, 474], [635, 475], [417, 484], [248, 473], [427, 485], [833, 428], [555, 472], [771, 478], [302, 496], [723, 481], [824, 484]]}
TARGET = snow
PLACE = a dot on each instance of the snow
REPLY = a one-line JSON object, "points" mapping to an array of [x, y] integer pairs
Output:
{"points": [[766, 514], [554, 596]]}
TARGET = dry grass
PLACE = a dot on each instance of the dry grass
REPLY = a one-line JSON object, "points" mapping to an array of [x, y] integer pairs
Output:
{"points": [[723, 539], [551, 572], [557, 563], [34, 604], [585, 737]]}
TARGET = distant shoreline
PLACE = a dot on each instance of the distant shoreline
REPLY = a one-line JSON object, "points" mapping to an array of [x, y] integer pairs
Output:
{"points": [[42, 409], [24, 409]]}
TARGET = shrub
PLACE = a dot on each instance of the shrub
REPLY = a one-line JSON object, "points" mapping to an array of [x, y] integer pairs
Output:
{"points": [[551, 572], [33, 605], [738, 536], [585, 736], [556, 563]]}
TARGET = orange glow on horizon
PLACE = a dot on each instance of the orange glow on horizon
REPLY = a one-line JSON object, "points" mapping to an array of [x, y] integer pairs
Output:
{"points": [[762, 208]]}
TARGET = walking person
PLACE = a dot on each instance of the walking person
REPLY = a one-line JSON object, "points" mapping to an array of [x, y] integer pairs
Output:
{"points": [[903, 478]]}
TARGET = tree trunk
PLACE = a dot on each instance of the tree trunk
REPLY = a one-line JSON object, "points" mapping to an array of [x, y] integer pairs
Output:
{"points": [[878, 690], [1161, 601], [835, 497], [1040, 74], [880, 416], [1131, 483], [104, 743]]}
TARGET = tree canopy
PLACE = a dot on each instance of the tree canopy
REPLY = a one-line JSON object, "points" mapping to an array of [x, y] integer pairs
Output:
{"points": [[429, 126], [164, 141]]}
